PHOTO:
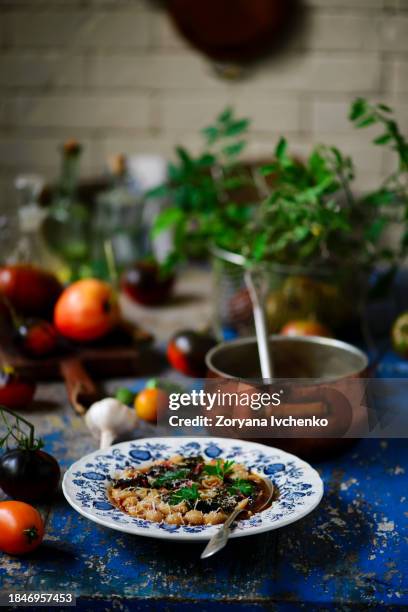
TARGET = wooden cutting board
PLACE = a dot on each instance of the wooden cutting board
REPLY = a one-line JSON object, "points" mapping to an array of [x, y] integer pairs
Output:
{"points": [[121, 354]]}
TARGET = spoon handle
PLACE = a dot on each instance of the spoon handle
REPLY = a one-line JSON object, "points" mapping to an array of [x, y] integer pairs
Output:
{"points": [[219, 539], [261, 326]]}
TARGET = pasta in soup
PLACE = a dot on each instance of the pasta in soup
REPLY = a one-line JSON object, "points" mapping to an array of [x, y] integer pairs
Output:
{"points": [[188, 491]]}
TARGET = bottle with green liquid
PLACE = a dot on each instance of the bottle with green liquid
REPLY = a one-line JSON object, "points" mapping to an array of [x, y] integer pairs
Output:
{"points": [[67, 225]]}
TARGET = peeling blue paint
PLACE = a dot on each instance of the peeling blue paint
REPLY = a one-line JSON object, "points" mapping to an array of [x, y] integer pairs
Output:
{"points": [[353, 549]]}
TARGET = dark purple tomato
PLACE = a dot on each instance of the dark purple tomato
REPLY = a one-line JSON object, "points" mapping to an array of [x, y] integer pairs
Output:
{"points": [[29, 475], [146, 284]]}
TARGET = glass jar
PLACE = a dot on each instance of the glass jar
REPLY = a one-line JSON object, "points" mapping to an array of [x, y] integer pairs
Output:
{"points": [[118, 221], [331, 296]]}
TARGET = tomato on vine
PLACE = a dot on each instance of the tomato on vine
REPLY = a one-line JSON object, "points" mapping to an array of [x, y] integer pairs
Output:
{"points": [[27, 473]]}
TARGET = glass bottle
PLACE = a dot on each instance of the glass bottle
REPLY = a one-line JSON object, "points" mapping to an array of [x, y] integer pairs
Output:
{"points": [[30, 247], [66, 227], [117, 223]]}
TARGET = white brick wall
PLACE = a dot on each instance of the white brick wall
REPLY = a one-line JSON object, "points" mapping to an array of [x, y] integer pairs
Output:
{"points": [[115, 74], [78, 28]]}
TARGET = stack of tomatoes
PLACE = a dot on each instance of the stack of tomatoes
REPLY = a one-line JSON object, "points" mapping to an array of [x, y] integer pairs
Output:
{"points": [[38, 317]]}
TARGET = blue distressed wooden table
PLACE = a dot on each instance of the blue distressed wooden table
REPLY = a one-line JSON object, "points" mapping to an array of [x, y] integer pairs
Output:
{"points": [[351, 551]]}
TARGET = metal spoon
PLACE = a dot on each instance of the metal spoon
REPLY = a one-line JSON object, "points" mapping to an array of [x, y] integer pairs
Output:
{"points": [[220, 538], [257, 295]]}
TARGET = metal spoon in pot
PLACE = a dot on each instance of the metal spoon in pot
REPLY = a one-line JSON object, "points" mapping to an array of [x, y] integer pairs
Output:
{"points": [[220, 538], [257, 292]]}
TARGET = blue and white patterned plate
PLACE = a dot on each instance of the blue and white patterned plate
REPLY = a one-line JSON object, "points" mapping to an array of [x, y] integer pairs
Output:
{"points": [[85, 484]]}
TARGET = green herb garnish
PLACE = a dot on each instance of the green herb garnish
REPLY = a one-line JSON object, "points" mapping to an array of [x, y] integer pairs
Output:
{"points": [[220, 468], [187, 494], [241, 486], [170, 477]]}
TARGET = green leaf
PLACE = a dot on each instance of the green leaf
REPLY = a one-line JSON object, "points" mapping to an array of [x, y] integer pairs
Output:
{"points": [[233, 182], [241, 486], [226, 115], [268, 169], [259, 246], [385, 108], [281, 147], [184, 156], [234, 149], [300, 233], [162, 191], [211, 133], [383, 139], [220, 468], [378, 198], [169, 477], [206, 160], [358, 109], [166, 219], [187, 494], [237, 127], [366, 122], [374, 231]]}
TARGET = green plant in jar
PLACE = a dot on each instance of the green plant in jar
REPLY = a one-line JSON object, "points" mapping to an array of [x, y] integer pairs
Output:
{"points": [[312, 214], [311, 218]]}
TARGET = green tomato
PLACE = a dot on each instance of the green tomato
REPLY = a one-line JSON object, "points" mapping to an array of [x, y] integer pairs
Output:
{"points": [[125, 395]]}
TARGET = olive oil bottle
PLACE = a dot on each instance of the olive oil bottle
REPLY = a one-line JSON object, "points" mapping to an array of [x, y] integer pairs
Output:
{"points": [[67, 225]]}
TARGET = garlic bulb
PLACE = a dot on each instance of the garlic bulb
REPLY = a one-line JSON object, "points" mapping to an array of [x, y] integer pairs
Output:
{"points": [[108, 419]]}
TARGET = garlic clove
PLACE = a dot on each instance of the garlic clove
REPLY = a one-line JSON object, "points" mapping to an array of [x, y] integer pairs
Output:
{"points": [[109, 418]]}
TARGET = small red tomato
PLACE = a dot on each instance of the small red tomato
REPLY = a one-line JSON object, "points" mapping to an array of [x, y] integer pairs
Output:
{"points": [[186, 352], [305, 328], [146, 284], [37, 338], [21, 528], [15, 391]]}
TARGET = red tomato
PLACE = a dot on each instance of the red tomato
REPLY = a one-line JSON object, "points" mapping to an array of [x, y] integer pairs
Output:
{"points": [[15, 391], [30, 290], [186, 352], [87, 310], [21, 528], [37, 338], [305, 328]]}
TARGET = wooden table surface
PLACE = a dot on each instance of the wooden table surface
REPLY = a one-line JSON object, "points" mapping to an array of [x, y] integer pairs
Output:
{"points": [[351, 552]]}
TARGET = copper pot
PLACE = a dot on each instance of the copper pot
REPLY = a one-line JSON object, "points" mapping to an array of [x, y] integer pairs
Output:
{"points": [[320, 376]]}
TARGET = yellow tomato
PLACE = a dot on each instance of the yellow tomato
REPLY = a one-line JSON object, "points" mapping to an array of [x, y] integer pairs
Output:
{"points": [[151, 403]]}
